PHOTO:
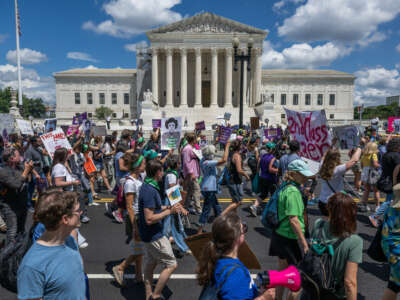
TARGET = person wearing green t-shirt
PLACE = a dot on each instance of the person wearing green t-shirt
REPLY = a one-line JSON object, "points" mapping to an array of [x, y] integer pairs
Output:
{"points": [[286, 238]]}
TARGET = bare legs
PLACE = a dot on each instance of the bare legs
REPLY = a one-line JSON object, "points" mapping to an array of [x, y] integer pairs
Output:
{"points": [[162, 280]]}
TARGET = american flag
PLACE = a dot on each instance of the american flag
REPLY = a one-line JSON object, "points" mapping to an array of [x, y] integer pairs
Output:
{"points": [[17, 18]]}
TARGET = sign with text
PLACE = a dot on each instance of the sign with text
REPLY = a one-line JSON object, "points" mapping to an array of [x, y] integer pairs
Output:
{"points": [[156, 123], [255, 123], [99, 130], [89, 166], [224, 134], [6, 125], [311, 131], [200, 125], [394, 125], [273, 133], [25, 127], [73, 129], [171, 129], [78, 120], [54, 140], [348, 136], [50, 125]]}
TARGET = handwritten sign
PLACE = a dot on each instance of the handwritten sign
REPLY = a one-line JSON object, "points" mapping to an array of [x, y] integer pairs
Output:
{"points": [[200, 125], [25, 127], [54, 140], [311, 131], [273, 133], [156, 123], [224, 134]]}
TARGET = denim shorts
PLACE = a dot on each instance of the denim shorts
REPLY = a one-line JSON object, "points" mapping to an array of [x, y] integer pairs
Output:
{"points": [[236, 191]]}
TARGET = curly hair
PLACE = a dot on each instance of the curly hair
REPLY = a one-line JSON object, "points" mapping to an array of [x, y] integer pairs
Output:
{"points": [[331, 161], [171, 120]]}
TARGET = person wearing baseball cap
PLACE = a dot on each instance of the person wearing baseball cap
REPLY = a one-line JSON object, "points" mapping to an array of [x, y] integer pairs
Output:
{"points": [[286, 238]]}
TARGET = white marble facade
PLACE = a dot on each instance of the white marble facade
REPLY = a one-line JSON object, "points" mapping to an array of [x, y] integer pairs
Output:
{"points": [[193, 76]]}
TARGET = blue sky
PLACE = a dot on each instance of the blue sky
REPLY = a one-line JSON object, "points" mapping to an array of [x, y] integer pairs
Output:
{"points": [[361, 37]]}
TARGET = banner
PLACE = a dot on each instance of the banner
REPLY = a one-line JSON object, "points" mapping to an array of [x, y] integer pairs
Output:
{"points": [[224, 134], [394, 125], [99, 130], [55, 140], [6, 125], [171, 129], [310, 129], [25, 127], [174, 195], [50, 125], [273, 133], [348, 136], [156, 123], [200, 126]]}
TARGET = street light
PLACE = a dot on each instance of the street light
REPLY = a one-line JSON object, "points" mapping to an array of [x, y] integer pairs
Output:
{"points": [[242, 58]]}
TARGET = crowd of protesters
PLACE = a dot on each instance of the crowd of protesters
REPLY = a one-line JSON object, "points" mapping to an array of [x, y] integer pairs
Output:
{"points": [[137, 172]]}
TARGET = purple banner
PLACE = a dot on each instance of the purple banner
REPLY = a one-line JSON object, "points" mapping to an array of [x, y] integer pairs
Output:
{"points": [[273, 133], [156, 123], [78, 120], [200, 125], [224, 134]]}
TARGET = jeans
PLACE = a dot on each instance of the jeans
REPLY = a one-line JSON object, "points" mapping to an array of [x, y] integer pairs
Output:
{"points": [[210, 201], [383, 206]]}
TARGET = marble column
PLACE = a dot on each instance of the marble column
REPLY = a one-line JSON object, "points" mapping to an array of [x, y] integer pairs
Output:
{"points": [[257, 75], [169, 53], [197, 98], [183, 77], [154, 74], [228, 78], [214, 77]]}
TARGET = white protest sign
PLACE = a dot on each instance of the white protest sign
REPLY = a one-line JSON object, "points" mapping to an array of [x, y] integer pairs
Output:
{"points": [[25, 127], [171, 129], [348, 136], [311, 131], [55, 140], [6, 124], [174, 195]]}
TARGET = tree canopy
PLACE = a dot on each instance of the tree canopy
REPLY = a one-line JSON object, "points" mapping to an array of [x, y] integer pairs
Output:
{"points": [[31, 106], [380, 111], [103, 112]]}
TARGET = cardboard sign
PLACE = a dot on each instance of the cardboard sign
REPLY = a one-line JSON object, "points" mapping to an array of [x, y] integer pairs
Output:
{"points": [[196, 244], [50, 125], [273, 133], [6, 125], [348, 136], [227, 116], [394, 125], [89, 166], [156, 123], [174, 195], [255, 122], [224, 134], [99, 130], [171, 129], [54, 140], [200, 125], [311, 131], [25, 127], [78, 120]]}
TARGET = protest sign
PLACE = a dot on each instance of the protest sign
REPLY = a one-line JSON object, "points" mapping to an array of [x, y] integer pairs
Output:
{"points": [[394, 125], [99, 130], [156, 123], [73, 129], [348, 136], [50, 125], [227, 116], [171, 129], [273, 133], [6, 125], [224, 134], [25, 127], [203, 143], [78, 120], [89, 166], [54, 140], [310, 130], [200, 125], [197, 242], [174, 195], [255, 123]]}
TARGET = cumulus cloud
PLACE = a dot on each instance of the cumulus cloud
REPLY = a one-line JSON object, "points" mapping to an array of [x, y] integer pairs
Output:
{"points": [[81, 56], [302, 56], [133, 47], [278, 6], [350, 21], [91, 67], [33, 85], [28, 56], [373, 85], [132, 17]]}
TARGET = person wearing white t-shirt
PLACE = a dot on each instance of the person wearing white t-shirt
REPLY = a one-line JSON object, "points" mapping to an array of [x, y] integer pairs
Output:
{"points": [[132, 184]]}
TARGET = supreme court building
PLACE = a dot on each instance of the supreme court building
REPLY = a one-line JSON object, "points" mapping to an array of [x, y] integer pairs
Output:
{"points": [[189, 71]]}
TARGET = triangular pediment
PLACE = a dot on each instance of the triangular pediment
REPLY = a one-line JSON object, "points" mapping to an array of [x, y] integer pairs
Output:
{"points": [[207, 23]]}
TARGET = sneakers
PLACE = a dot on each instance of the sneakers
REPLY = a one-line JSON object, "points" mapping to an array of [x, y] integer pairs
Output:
{"points": [[94, 204], [119, 275], [117, 216], [373, 221], [253, 210], [85, 219]]}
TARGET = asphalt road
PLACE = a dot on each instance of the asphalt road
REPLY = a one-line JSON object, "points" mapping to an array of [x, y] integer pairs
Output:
{"points": [[107, 248]]}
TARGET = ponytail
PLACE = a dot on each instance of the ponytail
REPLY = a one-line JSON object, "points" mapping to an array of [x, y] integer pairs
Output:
{"points": [[205, 268]]}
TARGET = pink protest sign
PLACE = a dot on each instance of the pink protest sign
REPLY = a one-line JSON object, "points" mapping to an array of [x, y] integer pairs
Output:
{"points": [[310, 129], [393, 124]]}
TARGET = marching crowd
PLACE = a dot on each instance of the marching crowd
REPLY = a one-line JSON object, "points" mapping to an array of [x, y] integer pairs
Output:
{"points": [[138, 173]]}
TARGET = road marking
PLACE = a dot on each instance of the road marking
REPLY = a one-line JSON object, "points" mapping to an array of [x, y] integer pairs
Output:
{"points": [[156, 276]]}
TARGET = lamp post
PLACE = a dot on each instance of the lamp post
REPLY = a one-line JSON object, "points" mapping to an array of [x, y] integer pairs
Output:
{"points": [[242, 58]]}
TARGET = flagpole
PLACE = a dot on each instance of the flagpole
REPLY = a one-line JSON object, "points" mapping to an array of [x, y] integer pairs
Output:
{"points": [[17, 31]]}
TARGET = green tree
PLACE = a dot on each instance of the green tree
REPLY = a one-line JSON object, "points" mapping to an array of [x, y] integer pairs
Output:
{"points": [[5, 99], [103, 112], [380, 111], [31, 107]]}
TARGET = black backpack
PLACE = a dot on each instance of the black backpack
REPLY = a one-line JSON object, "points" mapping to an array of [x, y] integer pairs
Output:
{"points": [[11, 257], [210, 291], [316, 270]]}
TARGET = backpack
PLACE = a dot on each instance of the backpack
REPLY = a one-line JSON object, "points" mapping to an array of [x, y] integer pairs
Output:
{"points": [[11, 257], [316, 269], [270, 215], [210, 291], [120, 198]]}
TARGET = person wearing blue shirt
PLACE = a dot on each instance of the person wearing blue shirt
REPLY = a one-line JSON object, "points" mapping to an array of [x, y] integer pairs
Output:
{"points": [[220, 266], [51, 269]]}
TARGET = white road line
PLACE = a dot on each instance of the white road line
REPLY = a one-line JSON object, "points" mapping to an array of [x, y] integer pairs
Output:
{"points": [[156, 276]]}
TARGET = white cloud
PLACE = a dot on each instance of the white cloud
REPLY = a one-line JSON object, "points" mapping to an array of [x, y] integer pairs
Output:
{"points": [[349, 21], [81, 56], [302, 56], [277, 7], [91, 67], [132, 17], [133, 47], [33, 85], [3, 37], [28, 56], [398, 48], [373, 85]]}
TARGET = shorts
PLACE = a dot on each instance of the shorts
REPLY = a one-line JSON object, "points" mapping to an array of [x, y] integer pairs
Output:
{"points": [[285, 248], [160, 252], [99, 165], [137, 247], [236, 191]]}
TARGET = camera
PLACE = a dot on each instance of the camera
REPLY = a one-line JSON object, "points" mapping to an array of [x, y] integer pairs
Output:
{"points": [[36, 163]]}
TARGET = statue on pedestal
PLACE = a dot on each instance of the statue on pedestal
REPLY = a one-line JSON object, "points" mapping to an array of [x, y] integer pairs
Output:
{"points": [[149, 101]]}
